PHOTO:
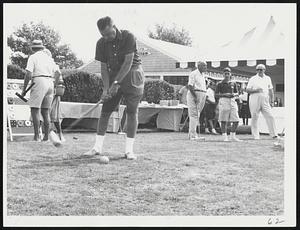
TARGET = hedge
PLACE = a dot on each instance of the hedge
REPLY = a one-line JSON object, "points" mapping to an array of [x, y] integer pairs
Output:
{"points": [[82, 86], [156, 90], [15, 72], [87, 87]]}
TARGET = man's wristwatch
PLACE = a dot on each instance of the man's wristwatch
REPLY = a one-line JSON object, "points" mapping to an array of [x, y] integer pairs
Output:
{"points": [[116, 83]]}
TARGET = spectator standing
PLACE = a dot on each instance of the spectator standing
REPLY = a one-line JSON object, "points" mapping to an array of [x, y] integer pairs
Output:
{"points": [[196, 98], [244, 111], [227, 92], [55, 111], [210, 107], [261, 99], [39, 70]]}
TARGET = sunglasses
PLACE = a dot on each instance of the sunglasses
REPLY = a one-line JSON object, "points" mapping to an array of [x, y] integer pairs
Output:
{"points": [[259, 69]]}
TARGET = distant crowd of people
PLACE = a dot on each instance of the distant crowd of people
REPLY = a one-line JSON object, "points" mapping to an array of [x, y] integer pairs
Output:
{"points": [[219, 106]]}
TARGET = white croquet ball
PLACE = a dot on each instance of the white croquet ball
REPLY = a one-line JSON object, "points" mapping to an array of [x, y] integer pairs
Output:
{"points": [[104, 159]]}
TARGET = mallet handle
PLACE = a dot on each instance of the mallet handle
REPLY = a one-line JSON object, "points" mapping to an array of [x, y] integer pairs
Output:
{"points": [[32, 84], [83, 115], [23, 98]]}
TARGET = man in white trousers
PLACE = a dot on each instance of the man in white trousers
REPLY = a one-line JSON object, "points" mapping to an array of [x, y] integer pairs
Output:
{"points": [[261, 99], [196, 98]]}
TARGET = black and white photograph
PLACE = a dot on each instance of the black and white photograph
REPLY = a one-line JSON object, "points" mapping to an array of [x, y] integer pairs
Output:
{"points": [[149, 114]]}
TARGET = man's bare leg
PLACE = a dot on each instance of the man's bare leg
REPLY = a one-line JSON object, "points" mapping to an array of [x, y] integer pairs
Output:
{"points": [[35, 114], [46, 117]]}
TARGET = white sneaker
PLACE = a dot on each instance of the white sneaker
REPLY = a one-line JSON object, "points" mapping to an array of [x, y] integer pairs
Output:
{"points": [[91, 152], [236, 139], [130, 156], [213, 131], [256, 138], [226, 139]]}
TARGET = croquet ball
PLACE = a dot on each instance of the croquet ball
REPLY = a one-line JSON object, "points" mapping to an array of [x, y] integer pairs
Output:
{"points": [[57, 144], [104, 159], [75, 138]]}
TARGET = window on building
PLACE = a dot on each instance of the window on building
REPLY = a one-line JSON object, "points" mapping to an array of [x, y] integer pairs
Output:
{"points": [[177, 80]]}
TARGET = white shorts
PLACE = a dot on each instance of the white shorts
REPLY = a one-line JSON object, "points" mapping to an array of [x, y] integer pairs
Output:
{"points": [[228, 110], [41, 94]]}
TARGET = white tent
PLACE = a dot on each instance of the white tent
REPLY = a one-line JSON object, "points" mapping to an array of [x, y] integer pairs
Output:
{"points": [[263, 44]]}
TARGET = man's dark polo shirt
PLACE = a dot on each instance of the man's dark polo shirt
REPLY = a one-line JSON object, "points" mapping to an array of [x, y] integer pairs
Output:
{"points": [[113, 52], [226, 87]]}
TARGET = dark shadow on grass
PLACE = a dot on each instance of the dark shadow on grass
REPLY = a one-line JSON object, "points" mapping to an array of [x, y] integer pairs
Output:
{"points": [[75, 161]]}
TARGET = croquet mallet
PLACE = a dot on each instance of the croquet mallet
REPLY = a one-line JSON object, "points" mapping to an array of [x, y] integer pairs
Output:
{"points": [[23, 97], [87, 112]]}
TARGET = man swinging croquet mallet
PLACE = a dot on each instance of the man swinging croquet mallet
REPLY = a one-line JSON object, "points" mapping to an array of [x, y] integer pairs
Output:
{"points": [[122, 76]]}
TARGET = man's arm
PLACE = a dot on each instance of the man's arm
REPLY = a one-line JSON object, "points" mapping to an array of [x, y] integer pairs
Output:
{"points": [[192, 90], [271, 92], [271, 96], [125, 67], [105, 77], [29, 71], [28, 77], [250, 89], [190, 86]]}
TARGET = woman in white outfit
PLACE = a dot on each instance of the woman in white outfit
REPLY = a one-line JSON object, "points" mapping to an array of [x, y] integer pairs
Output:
{"points": [[261, 99]]}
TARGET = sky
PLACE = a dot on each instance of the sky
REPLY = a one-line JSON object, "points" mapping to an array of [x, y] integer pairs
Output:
{"points": [[209, 25]]}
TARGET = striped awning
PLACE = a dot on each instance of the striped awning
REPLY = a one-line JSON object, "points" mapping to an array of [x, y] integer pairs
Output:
{"points": [[234, 63]]}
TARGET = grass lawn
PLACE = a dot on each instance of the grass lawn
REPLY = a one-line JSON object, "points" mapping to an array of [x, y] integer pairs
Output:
{"points": [[172, 176]]}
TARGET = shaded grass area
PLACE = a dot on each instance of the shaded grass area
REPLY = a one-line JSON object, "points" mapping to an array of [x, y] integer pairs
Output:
{"points": [[172, 176]]}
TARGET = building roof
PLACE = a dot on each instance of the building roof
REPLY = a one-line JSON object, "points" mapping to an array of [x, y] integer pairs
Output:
{"points": [[156, 55]]}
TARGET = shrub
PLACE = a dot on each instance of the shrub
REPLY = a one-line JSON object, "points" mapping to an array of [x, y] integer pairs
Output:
{"points": [[15, 72], [82, 86], [156, 90]]}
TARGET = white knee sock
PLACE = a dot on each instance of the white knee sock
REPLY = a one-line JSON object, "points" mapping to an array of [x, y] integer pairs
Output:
{"points": [[99, 143], [129, 145]]}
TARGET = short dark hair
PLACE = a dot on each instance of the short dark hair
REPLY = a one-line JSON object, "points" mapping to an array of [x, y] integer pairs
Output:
{"points": [[102, 23], [35, 49]]}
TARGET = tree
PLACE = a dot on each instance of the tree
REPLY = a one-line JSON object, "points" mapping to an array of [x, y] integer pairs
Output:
{"points": [[20, 41], [171, 34]]}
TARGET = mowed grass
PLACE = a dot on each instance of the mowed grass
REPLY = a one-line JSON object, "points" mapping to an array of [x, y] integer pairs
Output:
{"points": [[172, 176]]}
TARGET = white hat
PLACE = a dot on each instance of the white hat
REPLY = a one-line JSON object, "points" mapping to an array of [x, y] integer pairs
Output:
{"points": [[201, 62], [261, 66], [37, 44]]}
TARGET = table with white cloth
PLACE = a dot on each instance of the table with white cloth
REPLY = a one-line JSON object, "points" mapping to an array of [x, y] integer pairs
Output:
{"points": [[75, 110], [168, 117]]}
